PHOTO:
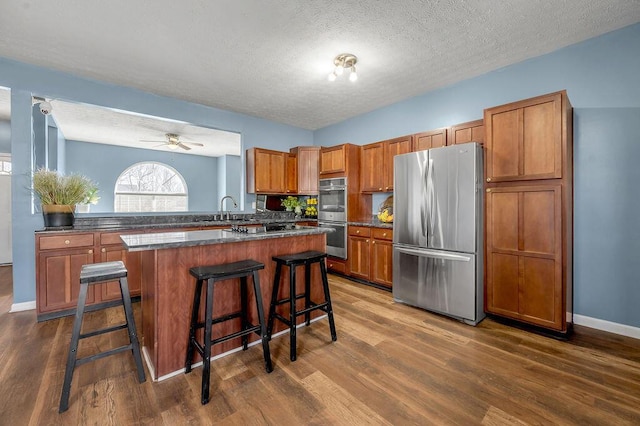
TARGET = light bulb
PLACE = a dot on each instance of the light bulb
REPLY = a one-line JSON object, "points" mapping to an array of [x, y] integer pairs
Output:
{"points": [[353, 76], [332, 76], [172, 146], [338, 71]]}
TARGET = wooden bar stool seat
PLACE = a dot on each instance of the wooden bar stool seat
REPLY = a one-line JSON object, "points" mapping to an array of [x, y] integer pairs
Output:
{"points": [[306, 258], [213, 274], [89, 275]]}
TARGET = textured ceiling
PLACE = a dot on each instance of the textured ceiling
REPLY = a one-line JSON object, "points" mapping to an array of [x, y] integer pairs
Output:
{"points": [[271, 58]]}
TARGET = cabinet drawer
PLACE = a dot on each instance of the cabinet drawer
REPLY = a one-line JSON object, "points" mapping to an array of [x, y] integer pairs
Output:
{"points": [[336, 266], [66, 241], [383, 234], [107, 238], [360, 231]]}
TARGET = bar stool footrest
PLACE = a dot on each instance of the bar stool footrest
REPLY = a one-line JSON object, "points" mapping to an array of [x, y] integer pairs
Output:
{"points": [[220, 319], [288, 300], [104, 354], [252, 329], [103, 331]]}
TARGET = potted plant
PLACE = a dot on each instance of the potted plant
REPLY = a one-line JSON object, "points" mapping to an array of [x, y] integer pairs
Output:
{"points": [[292, 203], [59, 195]]}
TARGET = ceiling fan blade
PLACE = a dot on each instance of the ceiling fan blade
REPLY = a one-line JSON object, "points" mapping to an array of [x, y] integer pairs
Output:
{"points": [[183, 146], [156, 141], [193, 143]]}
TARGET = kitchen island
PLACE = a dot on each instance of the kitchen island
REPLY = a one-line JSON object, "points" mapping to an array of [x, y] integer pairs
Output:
{"points": [[167, 287]]}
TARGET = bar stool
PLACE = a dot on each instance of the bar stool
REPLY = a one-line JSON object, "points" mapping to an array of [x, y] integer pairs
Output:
{"points": [[213, 274], [89, 275], [293, 261]]}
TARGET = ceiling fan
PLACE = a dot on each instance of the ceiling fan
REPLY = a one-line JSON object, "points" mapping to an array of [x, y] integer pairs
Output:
{"points": [[173, 142]]}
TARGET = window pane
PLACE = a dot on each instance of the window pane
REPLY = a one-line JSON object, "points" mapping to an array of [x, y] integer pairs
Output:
{"points": [[150, 177], [150, 187]]}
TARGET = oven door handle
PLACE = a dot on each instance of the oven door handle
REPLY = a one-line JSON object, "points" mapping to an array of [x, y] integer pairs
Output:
{"points": [[332, 224]]}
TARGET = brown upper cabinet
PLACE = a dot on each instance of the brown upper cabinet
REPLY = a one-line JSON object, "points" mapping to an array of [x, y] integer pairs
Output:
{"points": [[525, 139], [431, 139], [308, 162], [333, 159], [291, 174], [472, 131], [371, 170], [266, 171], [392, 148], [377, 163]]}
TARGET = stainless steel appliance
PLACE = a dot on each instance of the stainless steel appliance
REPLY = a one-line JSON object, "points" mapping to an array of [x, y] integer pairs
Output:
{"points": [[437, 231], [332, 213]]}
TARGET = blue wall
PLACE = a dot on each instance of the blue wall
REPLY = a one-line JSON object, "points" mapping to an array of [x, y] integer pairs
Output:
{"points": [[5, 136], [602, 79], [27, 80], [104, 163]]}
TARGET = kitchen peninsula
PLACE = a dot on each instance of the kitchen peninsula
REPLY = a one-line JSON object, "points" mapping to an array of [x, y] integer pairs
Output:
{"points": [[167, 287]]}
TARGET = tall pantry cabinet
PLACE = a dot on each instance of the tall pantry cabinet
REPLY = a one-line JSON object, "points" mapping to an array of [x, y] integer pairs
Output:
{"points": [[529, 211]]}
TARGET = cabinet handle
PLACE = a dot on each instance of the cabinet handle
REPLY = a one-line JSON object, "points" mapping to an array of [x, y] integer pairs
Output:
{"points": [[384, 234], [104, 250], [488, 179], [90, 251], [67, 242], [366, 241], [386, 187], [373, 242], [488, 190], [379, 189], [357, 232]]}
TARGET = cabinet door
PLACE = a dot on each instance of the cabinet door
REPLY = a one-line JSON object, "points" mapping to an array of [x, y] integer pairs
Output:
{"points": [[58, 278], [359, 257], [270, 169], [265, 171], [333, 160], [308, 169], [472, 131], [371, 170], [524, 254], [392, 148], [111, 289], [428, 140], [381, 262], [291, 178], [524, 140]]}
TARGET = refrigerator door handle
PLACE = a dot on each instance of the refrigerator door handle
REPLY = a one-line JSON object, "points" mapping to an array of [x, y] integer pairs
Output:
{"points": [[434, 254], [430, 199], [424, 208]]}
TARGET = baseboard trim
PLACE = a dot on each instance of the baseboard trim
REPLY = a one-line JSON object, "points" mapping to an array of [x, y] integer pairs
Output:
{"points": [[24, 306], [611, 327]]}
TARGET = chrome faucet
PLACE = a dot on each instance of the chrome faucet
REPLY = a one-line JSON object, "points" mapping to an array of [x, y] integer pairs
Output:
{"points": [[235, 205]]}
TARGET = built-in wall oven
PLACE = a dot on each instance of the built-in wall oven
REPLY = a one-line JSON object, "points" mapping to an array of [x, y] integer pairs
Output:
{"points": [[332, 213]]}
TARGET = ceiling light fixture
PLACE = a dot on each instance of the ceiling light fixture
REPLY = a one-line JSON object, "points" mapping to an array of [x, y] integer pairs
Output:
{"points": [[342, 61]]}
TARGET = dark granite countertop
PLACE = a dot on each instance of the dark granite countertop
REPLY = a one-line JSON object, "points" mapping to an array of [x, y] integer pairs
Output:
{"points": [[115, 222], [372, 223], [164, 240]]}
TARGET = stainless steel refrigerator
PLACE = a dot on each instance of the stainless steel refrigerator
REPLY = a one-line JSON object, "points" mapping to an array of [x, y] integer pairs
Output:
{"points": [[438, 231]]}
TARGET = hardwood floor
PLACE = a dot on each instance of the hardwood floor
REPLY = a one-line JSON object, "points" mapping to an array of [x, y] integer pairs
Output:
{"points": [[392, 364]]}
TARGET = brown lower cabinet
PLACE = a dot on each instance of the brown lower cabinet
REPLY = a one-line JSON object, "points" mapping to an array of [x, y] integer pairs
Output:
{"points": [[370, 254], [524, 255], [60, 257]]}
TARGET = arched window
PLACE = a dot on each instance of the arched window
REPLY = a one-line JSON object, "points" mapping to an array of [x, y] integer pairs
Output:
{"points": [[151, 187]]}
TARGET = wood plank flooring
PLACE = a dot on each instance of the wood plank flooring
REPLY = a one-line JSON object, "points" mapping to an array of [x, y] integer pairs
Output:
{"points": [[392, 365]]}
